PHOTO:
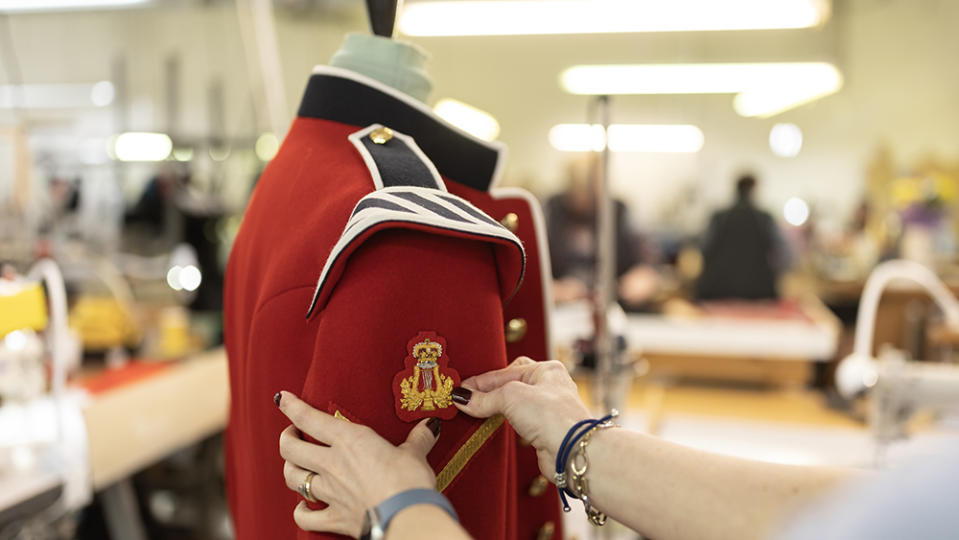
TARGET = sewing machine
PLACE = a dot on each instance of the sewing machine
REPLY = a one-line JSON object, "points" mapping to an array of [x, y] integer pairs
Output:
{"points": [[43, 459], [898, 386]]}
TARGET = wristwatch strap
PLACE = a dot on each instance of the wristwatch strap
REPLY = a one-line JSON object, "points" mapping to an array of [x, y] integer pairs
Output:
{"points": [[389, 508]]}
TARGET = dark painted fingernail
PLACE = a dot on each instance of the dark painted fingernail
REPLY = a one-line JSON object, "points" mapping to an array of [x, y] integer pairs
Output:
{"points": [[276, 398], [435, 424], [462, 395]]}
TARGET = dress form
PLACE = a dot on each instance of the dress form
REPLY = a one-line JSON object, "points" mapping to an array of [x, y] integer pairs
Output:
{"points": [[396, 64]]}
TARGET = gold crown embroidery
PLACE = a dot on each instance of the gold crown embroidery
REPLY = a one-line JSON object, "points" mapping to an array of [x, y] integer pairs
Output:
{"points": [[426, 388]]}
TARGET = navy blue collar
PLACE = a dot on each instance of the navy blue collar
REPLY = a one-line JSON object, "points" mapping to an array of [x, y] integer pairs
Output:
{"points": [[350, 98]]}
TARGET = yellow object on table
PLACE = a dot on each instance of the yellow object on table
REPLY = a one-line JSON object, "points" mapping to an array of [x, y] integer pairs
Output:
{"points": [[103, 323], [175, 340], [22, 305]]}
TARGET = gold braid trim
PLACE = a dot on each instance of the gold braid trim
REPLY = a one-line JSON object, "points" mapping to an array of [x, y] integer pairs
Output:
{"points": [[467, 451]]}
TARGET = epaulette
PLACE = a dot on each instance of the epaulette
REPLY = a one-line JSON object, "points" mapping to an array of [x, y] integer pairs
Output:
{"points": [[410, 194]]}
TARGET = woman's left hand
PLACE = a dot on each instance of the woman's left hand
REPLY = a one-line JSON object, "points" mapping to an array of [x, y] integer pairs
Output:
{"points": [[356, 471]]}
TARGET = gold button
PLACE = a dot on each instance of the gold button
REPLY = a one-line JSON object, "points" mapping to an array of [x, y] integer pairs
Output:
{"points": [[546, 531], [538, 486], [381, 135], [515, 330], [510, 221]]}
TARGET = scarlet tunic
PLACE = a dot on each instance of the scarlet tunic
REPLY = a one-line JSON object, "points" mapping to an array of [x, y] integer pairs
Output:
{"points": [[371, 277]]}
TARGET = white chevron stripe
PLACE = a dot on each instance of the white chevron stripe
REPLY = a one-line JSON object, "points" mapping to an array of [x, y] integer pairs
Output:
{"points": [[389, 195], [369, 217]]}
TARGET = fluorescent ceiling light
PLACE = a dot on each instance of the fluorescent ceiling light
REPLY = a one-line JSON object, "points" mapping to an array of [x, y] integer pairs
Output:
{"points": [[56, 96], [513, 17], [763, 89], [64, 5], [468, 118], [141, 146], [691, 78], [577, 137], [782, 95], [653, 138]]}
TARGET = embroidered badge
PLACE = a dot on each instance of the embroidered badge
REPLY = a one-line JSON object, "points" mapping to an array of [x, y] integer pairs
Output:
{"points": [[423, 388]]}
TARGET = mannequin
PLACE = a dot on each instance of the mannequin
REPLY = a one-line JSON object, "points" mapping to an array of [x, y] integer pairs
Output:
{"points": [[394, 63], [378, 221]]}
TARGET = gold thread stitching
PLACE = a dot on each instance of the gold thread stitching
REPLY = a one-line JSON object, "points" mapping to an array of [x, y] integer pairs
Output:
{"points": [[426, 369], [467, 451]]}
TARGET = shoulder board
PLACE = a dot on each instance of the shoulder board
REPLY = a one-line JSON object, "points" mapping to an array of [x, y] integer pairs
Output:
{"points": [[411, 194]]}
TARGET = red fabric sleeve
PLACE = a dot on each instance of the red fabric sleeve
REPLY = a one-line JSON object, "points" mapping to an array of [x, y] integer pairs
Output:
{"points": [[396, 286]]}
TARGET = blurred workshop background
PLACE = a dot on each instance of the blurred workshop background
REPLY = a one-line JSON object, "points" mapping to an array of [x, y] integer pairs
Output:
{"points": [[764, 156]]}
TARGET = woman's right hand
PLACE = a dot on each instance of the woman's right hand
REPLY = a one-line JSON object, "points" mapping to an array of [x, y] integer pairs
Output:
{"points": [[539, 399]]}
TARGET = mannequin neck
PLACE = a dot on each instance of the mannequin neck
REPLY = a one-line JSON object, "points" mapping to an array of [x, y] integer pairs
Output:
{"points": [[396, 64]]}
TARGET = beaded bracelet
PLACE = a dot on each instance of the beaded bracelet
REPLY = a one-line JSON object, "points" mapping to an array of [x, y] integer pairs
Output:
{"points": [[579, 433]]}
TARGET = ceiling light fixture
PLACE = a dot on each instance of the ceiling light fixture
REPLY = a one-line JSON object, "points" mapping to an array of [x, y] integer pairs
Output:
{"points": [[141, 146], [56, 95], [9, 6], [520, 17], [650, 138], [468, 118], [762, 89], [783, 94]]}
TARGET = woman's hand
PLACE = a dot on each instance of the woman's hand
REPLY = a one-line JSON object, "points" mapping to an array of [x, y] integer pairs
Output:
{"points": [[539, 399], [356, 471]]}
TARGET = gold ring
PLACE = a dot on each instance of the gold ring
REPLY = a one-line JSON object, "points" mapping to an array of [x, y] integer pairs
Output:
{"points": [[305, 488]]}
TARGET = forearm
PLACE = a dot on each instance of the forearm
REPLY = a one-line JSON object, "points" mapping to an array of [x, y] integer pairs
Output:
{"points": [[424, 521], [667, 491]]}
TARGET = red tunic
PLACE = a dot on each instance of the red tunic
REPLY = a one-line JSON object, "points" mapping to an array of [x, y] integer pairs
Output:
{"points": [[417, 290]]}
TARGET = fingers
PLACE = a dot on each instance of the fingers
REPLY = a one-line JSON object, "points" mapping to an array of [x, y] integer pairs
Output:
{"points": [[423, 436], [522, 361], [494, 379], [301, 453], [314, 423], [552, 371], [326, 520], [295, 476], [486, 404]]}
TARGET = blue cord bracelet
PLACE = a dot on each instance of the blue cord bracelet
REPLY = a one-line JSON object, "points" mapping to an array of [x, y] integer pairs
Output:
{"points": [[575, 433]]}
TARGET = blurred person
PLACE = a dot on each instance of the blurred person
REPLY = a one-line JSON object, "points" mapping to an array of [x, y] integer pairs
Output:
{"points": [[155, 202], [58, 204], [153, 224], [65, 194], [743, 251], [572, 232], [661, 489]]}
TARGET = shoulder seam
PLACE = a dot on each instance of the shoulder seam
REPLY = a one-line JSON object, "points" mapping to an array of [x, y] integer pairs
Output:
{"points": [[260, 305]]}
